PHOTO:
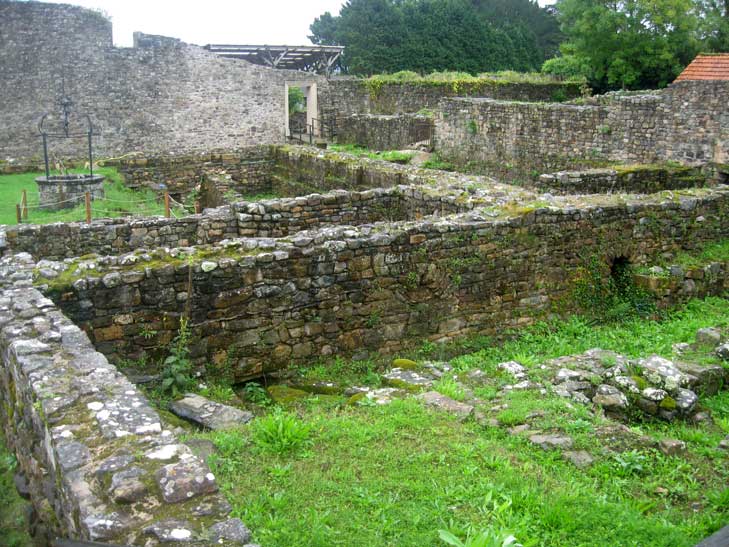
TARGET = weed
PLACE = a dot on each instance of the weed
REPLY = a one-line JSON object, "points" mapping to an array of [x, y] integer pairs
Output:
{"points": [[177, 367], [255, 393], [450, 388], [630, 463], [280, 432]]}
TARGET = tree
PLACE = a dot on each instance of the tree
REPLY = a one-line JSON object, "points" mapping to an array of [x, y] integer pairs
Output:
{"points": [[429, 35], [713, 24], [630, 43]]}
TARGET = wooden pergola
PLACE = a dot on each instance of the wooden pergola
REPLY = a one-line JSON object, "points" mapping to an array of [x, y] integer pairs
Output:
{"points": [[317, 59]]}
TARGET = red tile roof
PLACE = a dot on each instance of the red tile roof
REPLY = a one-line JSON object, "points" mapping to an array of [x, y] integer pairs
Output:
{"points": [[707, 67]]}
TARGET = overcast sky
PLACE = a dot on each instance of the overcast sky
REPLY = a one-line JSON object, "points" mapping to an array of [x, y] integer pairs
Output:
{"points": [[201, 22]]}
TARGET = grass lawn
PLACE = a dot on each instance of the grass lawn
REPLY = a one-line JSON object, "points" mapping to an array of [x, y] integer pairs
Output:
{"points": [[324, 473], [118, 201]]}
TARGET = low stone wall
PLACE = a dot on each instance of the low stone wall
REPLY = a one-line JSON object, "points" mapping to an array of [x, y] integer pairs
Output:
{"points": [[677, 284], [384, 132], [261, 304], [99, 462], [246, 171], [284, 217], [348, 96], [640, 179], [114, 236]]}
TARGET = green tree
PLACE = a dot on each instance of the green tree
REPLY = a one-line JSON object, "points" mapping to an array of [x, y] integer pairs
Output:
{"points": [[430, 35], [713, 24], [630, 43]]}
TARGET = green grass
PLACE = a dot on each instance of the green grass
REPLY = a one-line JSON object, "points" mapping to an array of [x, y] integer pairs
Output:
{"points": [[13, 526], [118, 201], [365, 475], [395, 156]]}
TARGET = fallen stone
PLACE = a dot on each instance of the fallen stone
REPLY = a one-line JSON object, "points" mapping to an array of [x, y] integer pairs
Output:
{"points": [[208, 413], [231, 530], [724, 444], [184, 480], [407, 379], [663, 373], [708, 337], [686, 400], [517, 370], [610, 398], [653, 394], [550, 442], [385, 395], [441, 402], [672, 447], [171, 531], [707, 379], [580, 458], [722, 351], [72, 455]]}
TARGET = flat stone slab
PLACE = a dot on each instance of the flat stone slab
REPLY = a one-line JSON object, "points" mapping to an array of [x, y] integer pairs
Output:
{"points": [[441, 402], [580, 458], [407, 379], [208, 413], [549, 442]]}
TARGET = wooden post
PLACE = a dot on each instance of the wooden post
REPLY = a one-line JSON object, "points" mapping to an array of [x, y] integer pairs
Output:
{"points": [[17, 213], [197, 207], [167, 204], [88, 208], [25, 205]]}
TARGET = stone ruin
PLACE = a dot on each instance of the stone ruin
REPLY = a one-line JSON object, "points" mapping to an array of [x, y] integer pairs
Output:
{"points": [[361, 257]]}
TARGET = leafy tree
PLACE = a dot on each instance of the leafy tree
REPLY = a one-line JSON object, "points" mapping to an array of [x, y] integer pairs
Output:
{"points": [[713, 24], [430, 35], [630, 43]]}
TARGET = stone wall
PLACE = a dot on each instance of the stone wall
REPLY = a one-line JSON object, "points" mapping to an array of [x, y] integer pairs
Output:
{"points": [[99, 462], [547, 136], [245, 171], [384, 132], [346, 96], [686, 122], [677, 284], [637, 179], [161, 96], [259, 304], [114, 236]]}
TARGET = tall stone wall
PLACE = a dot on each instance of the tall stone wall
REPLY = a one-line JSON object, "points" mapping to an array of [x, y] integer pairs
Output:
{"points": [[161, 96], [347, 96], [99, 462], [688, 122]]}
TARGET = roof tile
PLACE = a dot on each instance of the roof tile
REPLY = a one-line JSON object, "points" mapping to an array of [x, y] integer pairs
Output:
{"points": [[707, 67]]}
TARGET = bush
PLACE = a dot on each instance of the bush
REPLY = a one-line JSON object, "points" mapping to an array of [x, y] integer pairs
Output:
{"points": [[297, 101], [567, 66], [177, 367], [280, 432]]}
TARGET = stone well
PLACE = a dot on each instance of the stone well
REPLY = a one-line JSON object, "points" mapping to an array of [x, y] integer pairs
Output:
{"points": [[66, 191]]}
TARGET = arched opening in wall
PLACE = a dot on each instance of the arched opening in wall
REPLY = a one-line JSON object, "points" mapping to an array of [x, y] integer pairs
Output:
{"points": [[621, 276], [301, 107]]}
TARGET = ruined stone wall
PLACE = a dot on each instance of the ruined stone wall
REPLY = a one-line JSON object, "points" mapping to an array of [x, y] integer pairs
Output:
{"points": [[285, 217], [677, 284], [247, 170], [162, 96], [630, 179], [547, 136], [66, 240], [261, 304], [99, 462], [347, 96], [384, 132], [687, 122]]}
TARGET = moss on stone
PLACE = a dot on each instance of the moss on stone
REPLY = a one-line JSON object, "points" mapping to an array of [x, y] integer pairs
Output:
{"points": [[669, 403]]}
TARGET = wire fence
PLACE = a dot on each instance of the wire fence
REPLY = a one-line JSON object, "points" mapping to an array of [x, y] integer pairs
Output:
{"points": [[89, 207]]}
